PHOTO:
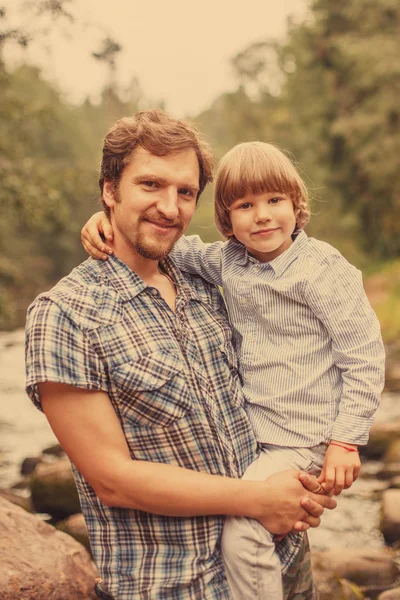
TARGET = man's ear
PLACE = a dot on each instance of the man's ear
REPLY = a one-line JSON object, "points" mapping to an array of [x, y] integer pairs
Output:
{"points": [[109, 193]]}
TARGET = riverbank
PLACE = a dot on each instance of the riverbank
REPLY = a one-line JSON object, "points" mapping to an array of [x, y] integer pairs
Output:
{"points": [[354, 525]]}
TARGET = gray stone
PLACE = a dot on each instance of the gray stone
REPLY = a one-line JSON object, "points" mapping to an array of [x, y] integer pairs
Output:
{"points": [[37, 562], [16, 499], [380, 438], [76, 527], [390, 520], [361, 566], [393, 594], [392, 454], [54, 491]]}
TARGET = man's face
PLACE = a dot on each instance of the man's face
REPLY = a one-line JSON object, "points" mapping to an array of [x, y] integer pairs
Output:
{"points": [[154, 203]]}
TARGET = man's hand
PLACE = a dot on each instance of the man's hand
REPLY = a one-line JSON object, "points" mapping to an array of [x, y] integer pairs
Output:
{"points": [[289, 503], [341, 467], [91, 239]]}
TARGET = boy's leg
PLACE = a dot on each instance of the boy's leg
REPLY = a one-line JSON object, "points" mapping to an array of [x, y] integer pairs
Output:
{"points": [[298, 583], [253, 569]]}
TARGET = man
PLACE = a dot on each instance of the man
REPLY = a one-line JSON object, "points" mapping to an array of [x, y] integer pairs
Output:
{"points": [[132, 363]]}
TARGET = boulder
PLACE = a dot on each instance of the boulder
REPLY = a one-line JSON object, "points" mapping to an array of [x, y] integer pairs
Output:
{"points": [[395, 482], [76, 527], [29, 464], [380, 438], [361, 566], [9, 495], [54, 450], [53, 489], [389, 471], [392, 454], [390, 519], [37, 562], [339, 589], [393, 594]]}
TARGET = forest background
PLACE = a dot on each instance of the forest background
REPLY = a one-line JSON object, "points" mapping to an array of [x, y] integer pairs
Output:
{"points": [[329, 93]]}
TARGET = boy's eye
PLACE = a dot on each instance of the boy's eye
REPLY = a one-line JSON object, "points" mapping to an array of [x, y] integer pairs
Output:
{"points": [[245, 205], [275, 200]]}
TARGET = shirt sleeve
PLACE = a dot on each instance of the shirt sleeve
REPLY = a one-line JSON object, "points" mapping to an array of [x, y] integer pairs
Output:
{"points": [[194, 256], [56, 350], [336, 295]]}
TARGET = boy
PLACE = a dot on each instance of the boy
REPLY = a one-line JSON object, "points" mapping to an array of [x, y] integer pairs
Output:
{"points": [[309, 346]]}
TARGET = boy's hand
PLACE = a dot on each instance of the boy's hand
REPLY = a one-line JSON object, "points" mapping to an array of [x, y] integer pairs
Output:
{"points": [[341, 467], [90, 236]]}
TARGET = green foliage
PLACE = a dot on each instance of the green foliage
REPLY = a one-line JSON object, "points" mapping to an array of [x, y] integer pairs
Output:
{"points": [[328, 94], [48, 183]]}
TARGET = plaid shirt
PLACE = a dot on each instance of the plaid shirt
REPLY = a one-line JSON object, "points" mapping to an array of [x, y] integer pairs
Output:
{"points": [[173, 381]]}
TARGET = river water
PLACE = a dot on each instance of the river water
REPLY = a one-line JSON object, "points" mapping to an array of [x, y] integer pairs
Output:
{"points": [[24, 432]]}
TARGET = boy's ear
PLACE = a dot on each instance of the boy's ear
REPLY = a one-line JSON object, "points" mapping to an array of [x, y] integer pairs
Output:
{"points": [[108, 193]]}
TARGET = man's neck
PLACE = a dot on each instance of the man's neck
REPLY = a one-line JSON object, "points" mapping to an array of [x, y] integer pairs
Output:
{"points": [[146, 268]]}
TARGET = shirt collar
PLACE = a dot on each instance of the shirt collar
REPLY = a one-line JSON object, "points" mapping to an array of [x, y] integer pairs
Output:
{"points": [[129, 284], [280, 263]]}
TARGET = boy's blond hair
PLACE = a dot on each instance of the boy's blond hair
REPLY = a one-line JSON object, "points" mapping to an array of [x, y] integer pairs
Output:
{"points": [[256, 168]]}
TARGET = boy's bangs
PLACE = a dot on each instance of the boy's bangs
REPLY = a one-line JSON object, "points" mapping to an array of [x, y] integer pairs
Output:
{"points": [[255, 175]]}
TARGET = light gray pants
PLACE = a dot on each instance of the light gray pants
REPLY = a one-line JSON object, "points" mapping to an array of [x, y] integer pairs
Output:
{"points": [[253, 569]]}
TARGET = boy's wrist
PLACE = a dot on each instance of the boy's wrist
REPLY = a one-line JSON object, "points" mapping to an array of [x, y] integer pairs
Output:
{"points": [[345, 445]]}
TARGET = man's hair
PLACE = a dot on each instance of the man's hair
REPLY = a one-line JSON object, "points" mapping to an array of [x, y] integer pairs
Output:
{"points": [[257, 168], [158, 133]]}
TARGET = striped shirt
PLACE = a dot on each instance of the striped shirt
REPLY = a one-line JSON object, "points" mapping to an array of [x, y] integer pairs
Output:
{"points": [[173, 381], [309, 344]]}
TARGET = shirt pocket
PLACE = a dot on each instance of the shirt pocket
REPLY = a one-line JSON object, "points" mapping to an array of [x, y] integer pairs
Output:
{"points": [[152, 390]]}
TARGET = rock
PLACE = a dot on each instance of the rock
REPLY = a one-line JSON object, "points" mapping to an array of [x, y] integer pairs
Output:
{"points": [[29, 464], [16, 499], [390, 521], [395, 482], [37, 562], [392, 454], [76, 527], [380, 438], [339, 589], [361, 566], [54, 491], [393, 594], [55, 450], [389, 471]]}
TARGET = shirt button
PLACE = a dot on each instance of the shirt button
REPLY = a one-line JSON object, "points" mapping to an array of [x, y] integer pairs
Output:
{"points": [[154, 292]]}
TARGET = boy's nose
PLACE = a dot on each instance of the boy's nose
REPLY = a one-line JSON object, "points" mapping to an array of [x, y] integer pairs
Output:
{"points": [[263, 214]]}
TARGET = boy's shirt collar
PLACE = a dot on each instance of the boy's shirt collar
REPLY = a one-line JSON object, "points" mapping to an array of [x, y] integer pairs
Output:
{"points": [[280, 263]]}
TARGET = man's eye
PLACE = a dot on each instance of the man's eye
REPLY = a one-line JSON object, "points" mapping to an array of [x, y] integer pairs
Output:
{"points": [[186, 192], [149, 184]]}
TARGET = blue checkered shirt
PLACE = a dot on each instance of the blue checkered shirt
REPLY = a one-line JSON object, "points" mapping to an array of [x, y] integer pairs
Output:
{"points": [[173, 381], [309, 344]]}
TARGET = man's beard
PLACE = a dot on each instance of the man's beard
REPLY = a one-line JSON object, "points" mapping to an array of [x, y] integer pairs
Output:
{"points": [[156, 251]]}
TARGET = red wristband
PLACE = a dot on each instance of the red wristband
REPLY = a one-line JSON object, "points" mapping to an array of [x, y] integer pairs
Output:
{"points": [[344, 447]]}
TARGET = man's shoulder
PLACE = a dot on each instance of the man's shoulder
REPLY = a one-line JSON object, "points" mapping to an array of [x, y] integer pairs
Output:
{"points": [[78, 296]]}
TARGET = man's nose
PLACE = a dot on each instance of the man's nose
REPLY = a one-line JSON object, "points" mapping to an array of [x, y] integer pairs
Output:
{"points": [[168, 203]]}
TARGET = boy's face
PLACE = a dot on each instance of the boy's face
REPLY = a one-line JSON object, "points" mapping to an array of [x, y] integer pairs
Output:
{"points": [[264, 223]]}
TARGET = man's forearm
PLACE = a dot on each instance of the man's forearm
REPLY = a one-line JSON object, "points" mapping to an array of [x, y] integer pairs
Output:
{"points": [[173, 491]]}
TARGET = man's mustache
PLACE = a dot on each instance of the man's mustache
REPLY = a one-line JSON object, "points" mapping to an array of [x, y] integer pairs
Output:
{"points": [[158, 219]]}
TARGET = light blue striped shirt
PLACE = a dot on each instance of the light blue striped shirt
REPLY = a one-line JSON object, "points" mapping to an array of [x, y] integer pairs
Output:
{"points": [[309, 344]]}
